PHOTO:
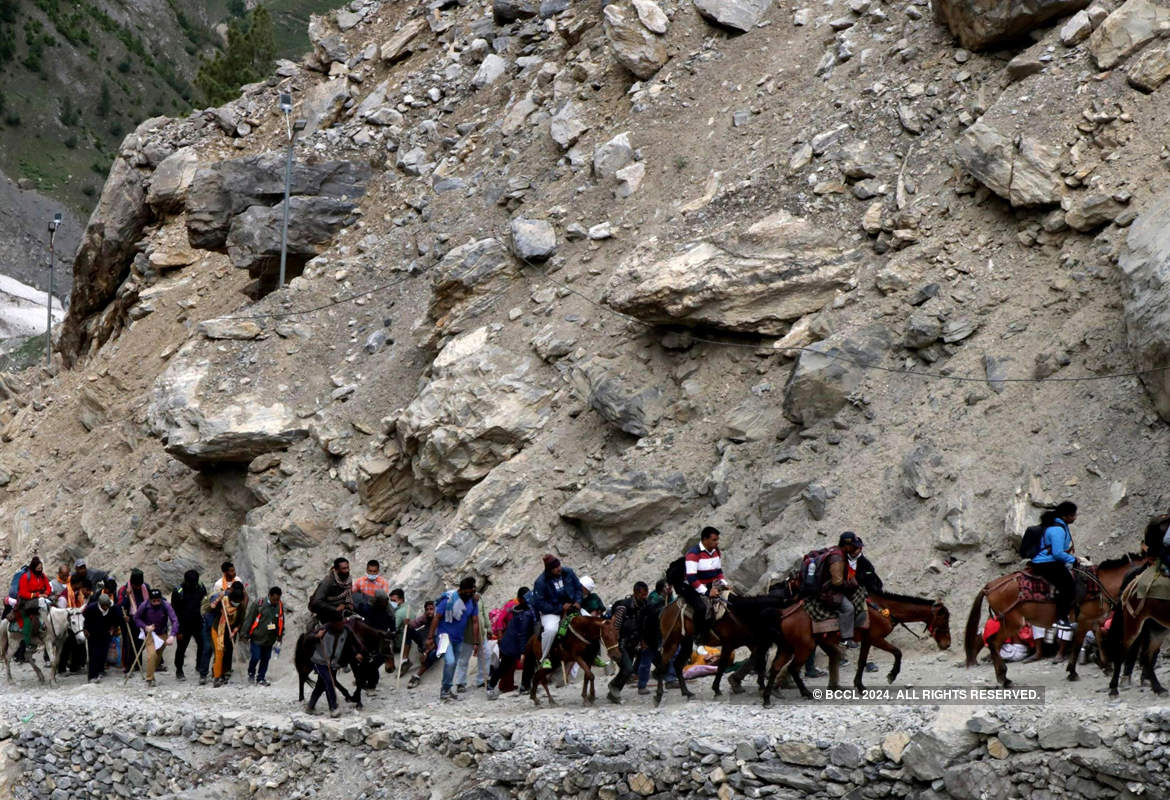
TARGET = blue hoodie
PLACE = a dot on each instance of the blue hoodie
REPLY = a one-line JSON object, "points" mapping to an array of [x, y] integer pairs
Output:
{"points": [[1055, 545]]}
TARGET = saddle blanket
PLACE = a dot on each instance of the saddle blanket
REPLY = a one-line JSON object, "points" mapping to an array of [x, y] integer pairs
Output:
{"points": [[824, 617], [1150, 585], [1033, 588]]}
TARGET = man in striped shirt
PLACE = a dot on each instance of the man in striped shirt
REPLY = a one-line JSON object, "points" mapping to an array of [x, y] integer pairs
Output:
{"points": [[704, 570]]}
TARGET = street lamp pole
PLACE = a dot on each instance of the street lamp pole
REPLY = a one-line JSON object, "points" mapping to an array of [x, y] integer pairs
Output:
{"points": [[53, 226], [286, 105]]}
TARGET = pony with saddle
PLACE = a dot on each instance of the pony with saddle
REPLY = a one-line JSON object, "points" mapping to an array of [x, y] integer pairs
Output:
{"points": [[1025, 598], [1143, 612], [375, 647], [55, 625], [580, 633]]}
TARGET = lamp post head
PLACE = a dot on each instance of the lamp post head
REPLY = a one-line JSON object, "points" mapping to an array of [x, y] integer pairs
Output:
{"points": [[286, 103], [55, 223], [299, 125]]}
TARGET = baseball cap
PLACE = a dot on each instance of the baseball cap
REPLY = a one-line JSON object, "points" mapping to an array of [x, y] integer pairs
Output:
{"points": [[848, 537], [79, 563], [155, 594]]}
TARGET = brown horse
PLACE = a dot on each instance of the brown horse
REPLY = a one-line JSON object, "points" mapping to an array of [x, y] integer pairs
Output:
{"points": [[583, 632], [1004, 601], [904, 610], [1128, 625], [795, 642], [677, 629], [1109, 576]]}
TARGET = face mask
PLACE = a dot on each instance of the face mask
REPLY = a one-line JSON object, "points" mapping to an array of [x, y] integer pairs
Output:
{"points": [[394, 604]]}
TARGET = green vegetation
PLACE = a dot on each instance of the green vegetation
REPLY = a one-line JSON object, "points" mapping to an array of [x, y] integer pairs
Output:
{"points": [[29, 353], [247, 57]]}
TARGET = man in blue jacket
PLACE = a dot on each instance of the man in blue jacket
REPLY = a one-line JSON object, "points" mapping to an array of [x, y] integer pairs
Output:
{"points": [[556, 592], [1055, 557]]}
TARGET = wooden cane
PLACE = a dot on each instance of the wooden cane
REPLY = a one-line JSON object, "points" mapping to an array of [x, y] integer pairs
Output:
{"points": [[402, 653], [137, 658]]}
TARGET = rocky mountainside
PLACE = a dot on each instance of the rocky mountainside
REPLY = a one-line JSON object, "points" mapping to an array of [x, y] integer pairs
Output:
{"points": [[884, 282]]}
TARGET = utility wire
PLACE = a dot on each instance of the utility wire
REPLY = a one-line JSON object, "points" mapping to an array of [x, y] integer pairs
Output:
{"points": [[331, 304]]}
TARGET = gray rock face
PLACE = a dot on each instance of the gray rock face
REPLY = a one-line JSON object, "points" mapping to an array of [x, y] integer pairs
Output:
{"points": [[322, 105], [776, 494], [506, 11], [400, 45], [777, 271], [467, 282], [253, 243], [1026, 173], [491, 70], [1145, 267], [619, 509], [978, 23], [171, 180], [1088, 212], [482, 405], [533, 240], [224, 189], [975, 780], [924, 757], [634, 46], [1151, 69], [612, 156], [103, 259], [567, 125], [631, 409], [203, 432], [739, 15], [827, 372], [1127, 30]]}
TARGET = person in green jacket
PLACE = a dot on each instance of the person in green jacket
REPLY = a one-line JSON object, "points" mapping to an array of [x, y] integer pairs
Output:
{"points": [[265, 629]]}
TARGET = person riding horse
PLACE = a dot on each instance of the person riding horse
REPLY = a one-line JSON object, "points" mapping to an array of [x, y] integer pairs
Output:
{"points": [[1055, 558], [702, 576], [555, 593], [32, 587], [838, 586]]}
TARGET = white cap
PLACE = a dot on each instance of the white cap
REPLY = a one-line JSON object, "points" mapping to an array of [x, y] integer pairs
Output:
{"points": [[587, 583]]}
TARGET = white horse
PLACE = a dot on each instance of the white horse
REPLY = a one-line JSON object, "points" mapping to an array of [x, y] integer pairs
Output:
{"points": [[55, 626]]}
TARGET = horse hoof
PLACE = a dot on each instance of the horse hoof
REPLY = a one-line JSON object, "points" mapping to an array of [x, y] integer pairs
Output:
{"points": [[890, 678], [1114, 693], [737, 689], [1072, 676], [767, 704], [718, 692], [1007, 684], [1160, 691]]}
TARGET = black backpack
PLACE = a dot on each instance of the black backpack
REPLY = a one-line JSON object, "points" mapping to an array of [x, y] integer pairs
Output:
{"points": [[1030, 544]]}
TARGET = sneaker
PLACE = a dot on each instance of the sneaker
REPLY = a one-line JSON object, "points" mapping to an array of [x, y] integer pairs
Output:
{"points": [[161, 668], [335, 712], [546, 664], [644, 690], [218, 682], [599, 662], [263, 682], [815, 672], [150, 683], [309, 709], [202, 680], [251, 678], [493, 694], [444, 697], [852, 644], [179, 676], [461, 688], [871, 667]]}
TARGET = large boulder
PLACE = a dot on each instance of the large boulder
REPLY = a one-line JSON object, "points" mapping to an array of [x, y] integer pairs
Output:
{"points": [[221, 190], [204, 430], [739, 15], [610, 392], [171, 180], [828, 372], [482, 405], [979, 23], [1127, 30], [103, 259], [1145, 268], [759, 281], [1021, 170], [634, 46], [468, 281], [617, 510], [253, 243], [533, 240]]}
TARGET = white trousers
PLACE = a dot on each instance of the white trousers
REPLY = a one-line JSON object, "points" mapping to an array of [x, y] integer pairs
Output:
{"points": [[550, 623]]}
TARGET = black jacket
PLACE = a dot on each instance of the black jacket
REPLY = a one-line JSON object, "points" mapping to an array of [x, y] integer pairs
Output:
{"points": [[185, 601], [98, 626], [867, 576], [635, 624]]}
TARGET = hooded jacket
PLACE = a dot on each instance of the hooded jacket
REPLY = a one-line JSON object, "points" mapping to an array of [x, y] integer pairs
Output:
{"points": [[186, 600], [332, 592]]}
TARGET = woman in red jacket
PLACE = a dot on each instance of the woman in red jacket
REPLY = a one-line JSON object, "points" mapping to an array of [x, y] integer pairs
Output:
{"points": [[32, 587]]}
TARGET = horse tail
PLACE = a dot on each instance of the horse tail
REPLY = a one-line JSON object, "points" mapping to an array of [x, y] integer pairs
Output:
{"points": [[972, 641]]}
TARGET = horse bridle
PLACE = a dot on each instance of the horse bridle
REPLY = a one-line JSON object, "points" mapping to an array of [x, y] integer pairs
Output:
{"points": [[582, 639], [935, 609]]}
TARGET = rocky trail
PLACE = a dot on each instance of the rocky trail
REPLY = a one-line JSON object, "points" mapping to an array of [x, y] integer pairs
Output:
{"points": [[181, 740]]}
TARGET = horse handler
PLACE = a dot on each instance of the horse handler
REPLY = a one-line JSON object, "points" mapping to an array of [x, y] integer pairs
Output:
{"points": [[331, 640]]}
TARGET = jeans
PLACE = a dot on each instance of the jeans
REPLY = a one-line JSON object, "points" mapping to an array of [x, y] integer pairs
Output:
{"points": [[324, 684], [646, 663], [203, 654], [846, 618], [260, 655], [482, 662], [450, 660]]}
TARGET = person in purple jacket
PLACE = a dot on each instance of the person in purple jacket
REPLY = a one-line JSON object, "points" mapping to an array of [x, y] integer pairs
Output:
{"points": [[156, 618]]}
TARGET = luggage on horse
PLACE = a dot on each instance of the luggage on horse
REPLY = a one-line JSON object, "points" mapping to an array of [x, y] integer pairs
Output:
{"points": [[810, 571]]}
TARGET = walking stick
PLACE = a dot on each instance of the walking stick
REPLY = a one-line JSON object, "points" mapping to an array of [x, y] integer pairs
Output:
{"points": [[138, 651], [402, 653]]}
